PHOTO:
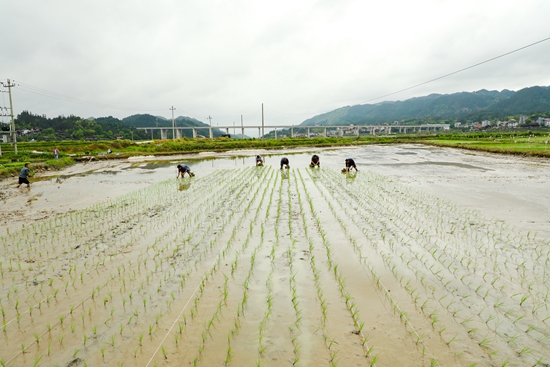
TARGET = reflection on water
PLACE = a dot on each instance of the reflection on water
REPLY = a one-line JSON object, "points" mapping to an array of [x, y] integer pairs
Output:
{"points": [[449, 164], [285, 174], [350, 177], [259, 170], [184, 184]]}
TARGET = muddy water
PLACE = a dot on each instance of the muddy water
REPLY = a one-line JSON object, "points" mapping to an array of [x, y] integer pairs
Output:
{"points": [[425, 257], [509, 188]]}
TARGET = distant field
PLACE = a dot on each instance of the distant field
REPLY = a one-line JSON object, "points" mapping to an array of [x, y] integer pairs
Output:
{"points": [[528, 145]]}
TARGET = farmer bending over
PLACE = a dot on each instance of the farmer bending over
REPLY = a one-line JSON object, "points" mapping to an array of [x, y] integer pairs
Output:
{"points": [[259, 160], [284, 162], [315, 161], [183, 169], [350, 163]]}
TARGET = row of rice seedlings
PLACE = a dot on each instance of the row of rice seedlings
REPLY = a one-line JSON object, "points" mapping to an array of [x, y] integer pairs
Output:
{"points": [[73, 278], [70, 253], [401, 255], [349, 301], [152, 328], [263, 327], [492, 241], [437, 273], [245, 285], [345, 207], [432, 315], [291, 249], [78, 223], [218, 258], [238, 322], [403, 316], [479, 289], [216, 315]]}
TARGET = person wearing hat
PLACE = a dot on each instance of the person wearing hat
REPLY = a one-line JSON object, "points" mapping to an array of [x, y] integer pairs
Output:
{"points": [[259, 160]]}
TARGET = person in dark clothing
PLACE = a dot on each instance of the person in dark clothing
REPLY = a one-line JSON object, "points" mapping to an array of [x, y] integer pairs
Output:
{"points": [[259, 160], [183, 169], [23, 176], [315, 161], [350, 163], [284, 162]]}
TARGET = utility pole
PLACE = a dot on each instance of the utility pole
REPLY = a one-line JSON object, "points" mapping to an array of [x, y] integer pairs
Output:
{"points": [[210, 118], [263, 132], [242, 128], [12, 126], [173, 126]]}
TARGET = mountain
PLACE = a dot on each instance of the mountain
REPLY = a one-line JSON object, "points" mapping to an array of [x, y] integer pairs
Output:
{"points": [[525, 101], [40, 127], [146, 120], [462, 105]]}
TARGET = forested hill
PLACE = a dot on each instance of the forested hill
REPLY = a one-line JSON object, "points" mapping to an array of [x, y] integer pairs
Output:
{"points": [[31, 126], [463, 106], [146, 120]]}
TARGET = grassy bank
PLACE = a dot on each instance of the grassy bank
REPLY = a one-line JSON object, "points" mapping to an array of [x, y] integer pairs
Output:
{"points": [[526, 144]]}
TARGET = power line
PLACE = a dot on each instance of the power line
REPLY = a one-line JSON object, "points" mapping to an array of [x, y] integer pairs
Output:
{"points": [[459, 71], [440, 77]]}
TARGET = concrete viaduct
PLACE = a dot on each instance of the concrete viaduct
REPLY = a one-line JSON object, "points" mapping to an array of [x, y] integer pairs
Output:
{"points": [[350, 130]]}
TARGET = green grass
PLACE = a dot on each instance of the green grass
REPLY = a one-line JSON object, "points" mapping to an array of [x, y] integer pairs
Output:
{"points": [[519, 145]]}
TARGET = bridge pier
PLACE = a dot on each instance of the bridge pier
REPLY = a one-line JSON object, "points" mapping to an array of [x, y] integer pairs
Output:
{"points": [[339, 130]]}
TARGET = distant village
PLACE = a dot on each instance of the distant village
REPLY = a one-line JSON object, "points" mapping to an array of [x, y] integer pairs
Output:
{"points": [[397, 127], [510, 124]]}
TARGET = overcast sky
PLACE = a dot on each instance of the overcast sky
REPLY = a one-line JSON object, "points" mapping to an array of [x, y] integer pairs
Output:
{"points": [[225, 58]]}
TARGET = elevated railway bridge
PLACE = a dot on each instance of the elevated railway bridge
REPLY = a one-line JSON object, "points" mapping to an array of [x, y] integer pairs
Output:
{"points": [[340, 130]]}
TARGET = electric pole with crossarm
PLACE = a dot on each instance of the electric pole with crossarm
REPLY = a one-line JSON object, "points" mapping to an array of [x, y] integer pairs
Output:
{"points": [[12, 126], [173, 126]]}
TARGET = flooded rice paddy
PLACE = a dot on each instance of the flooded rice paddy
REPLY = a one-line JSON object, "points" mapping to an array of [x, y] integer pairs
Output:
{"points": [[425, 257]]}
